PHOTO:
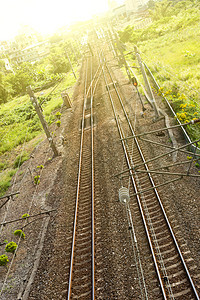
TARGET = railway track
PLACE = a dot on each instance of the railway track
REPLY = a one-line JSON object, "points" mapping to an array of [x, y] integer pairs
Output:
{"points": [[82, 267], [173, 277]]}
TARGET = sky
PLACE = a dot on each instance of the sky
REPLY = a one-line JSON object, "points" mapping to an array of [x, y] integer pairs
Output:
{"points": [[45, 16]]}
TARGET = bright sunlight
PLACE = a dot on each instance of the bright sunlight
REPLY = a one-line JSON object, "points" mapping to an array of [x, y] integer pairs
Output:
{"points": [[45, 16]]}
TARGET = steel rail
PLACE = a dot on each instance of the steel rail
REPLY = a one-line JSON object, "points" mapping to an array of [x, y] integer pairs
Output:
{"points": [[92, 191], [77, 191], [136, 190], [156, 192], [90, 90]]}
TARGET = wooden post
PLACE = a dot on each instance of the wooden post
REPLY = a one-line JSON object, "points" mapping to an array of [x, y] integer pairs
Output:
{"points": [[70, 64], [147, 84], [42, 120]]}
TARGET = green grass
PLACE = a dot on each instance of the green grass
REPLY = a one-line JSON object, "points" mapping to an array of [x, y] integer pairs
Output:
{"points": [[19, 123], [170, 48], [18, 120], [5, 180], [20, 159]]}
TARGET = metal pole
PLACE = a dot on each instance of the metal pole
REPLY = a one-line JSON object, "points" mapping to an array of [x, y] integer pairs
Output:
{"points": [[147, 84], [42, 120]]}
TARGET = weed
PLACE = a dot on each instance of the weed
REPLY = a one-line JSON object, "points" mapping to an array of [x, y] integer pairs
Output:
{"points": [[19, 233], [25, 216], [11, 247], [40, 167], [3, 260], [197, 165], [58, 123], [37, 179], [58, 115]]}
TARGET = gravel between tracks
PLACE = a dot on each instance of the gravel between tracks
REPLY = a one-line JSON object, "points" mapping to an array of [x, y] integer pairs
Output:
{"points": [[116, 274]]}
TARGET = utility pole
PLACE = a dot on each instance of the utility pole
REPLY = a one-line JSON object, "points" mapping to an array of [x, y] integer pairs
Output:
{"points": [[70, 64], [147, 84], [42, 120]]}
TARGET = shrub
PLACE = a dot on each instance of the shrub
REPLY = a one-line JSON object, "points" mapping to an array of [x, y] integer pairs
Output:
{"points": [[3, 94], [19, 233], [58, 115], [58, 123], [3, 260], [11, 247], [126, 35]]}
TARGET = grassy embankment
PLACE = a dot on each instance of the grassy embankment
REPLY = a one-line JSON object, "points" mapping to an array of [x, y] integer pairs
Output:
{"points": [[170, 48], [19, 124]]}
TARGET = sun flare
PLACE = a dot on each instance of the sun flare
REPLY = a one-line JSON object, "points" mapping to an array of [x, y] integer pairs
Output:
{"points": [[45, 16]]}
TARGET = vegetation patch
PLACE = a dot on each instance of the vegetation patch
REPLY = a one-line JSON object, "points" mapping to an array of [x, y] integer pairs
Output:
{"points": [[25, 216], [19, 122], [19, 233], [171, 50], [3, 260], [11, 247], [20, 159], [5, 180], [37, 179]]}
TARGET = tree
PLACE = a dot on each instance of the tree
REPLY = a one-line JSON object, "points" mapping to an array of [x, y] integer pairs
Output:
{"points": [[151, 4], [3, 94], [23, 77], [55, 38], [58, 61], [161, 9]]}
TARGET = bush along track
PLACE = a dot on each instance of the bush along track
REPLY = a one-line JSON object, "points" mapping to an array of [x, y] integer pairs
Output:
{"points": [[19, 123], [169, 47]]}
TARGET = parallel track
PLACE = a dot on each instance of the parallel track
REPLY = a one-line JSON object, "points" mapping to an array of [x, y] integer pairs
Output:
{"points": [[82, 267], [173, 275]]}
